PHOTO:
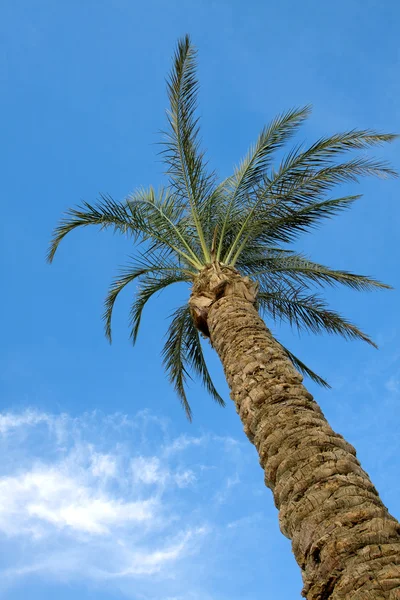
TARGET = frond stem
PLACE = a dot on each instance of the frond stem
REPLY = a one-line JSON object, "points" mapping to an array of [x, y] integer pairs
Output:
{"points": [[194, 261], [188, 184]]}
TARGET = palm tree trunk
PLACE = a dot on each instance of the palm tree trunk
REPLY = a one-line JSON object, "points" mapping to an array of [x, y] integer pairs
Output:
{"points": [[343, 538]]}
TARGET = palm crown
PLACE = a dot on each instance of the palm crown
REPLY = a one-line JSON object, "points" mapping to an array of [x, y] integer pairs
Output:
{"points": [[242, 222]]}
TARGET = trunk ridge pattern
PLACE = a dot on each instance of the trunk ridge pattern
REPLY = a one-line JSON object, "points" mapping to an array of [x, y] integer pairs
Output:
{"points": [[343, 537]]}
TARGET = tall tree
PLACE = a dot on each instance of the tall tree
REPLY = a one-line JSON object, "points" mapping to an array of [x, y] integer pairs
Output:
{"points": [[228, 241]]}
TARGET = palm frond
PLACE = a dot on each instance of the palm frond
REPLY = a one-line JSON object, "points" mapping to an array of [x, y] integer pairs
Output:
{"points": [[197, 361], [304, 176], [355, 139], [320, 156], [174, 356], [308, 313], [183, 353], [304, 370], [252, 169], [149, 263], [213, 209], [150, 284], [143, 216], [186, 163], [106, 213], [303, 271], [297, 185], [285, 224], [161, 220]]}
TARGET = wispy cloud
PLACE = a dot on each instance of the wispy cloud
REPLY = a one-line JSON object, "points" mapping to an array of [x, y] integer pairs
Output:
{"points": [[93, 502], [222, 495], [12, 421], [393, 384], [47, 498]]}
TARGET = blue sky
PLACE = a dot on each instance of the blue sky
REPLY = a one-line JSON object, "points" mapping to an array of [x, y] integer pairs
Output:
{"points": [[106, 491]]}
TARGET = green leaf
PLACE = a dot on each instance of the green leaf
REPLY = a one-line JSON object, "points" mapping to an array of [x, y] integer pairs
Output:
{"points": [[197, 361], [150, 264], [285, 224], [183, 353], [304, 370], [308, 313], [185, 161], [149, 285], [174, 356], [301, 270], [162, 220], [303, 177], [106, 213], [252, 169]]}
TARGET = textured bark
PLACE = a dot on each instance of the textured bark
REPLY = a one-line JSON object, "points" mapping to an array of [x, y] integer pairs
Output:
{"points": [[343, 538]]}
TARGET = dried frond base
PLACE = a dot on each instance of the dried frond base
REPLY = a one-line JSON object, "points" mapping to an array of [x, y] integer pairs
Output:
{"points": [[214, 282]]}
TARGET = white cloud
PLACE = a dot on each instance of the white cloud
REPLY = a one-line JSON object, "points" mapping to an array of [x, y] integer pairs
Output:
{"points": [[184, 478], [142, 563], [46, 497], [93, 504], [103, 465], [11, 421], [182, 442], [393, 384], [222, 495], [148, 470]]}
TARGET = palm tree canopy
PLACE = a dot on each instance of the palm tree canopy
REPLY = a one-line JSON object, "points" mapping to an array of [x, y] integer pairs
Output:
{"points": [[242, 222]]}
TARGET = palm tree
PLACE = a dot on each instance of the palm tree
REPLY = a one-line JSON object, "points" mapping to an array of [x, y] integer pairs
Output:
{"points": [[228, 241]]}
